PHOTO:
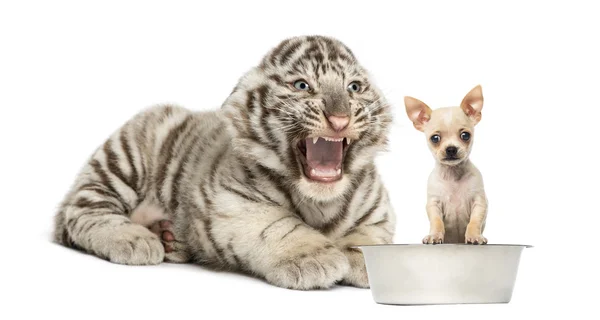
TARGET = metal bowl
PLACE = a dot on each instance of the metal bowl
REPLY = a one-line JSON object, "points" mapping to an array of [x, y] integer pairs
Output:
{"points": [[415, 274]]}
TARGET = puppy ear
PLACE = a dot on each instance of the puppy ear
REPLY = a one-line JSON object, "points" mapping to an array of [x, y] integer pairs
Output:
{"points": [[418, 112], [473, 103]]}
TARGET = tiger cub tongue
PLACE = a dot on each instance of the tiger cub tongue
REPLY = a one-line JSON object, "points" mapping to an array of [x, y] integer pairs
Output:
{"points": [[325, 157]]}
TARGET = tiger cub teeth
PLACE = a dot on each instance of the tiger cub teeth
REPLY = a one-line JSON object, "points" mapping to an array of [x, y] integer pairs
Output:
{"points": [[316, 139], [325, 173]]}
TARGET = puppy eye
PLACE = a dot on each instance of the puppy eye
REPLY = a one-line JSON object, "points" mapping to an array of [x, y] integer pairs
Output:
{"points": [[435, 138], [465, 136], [301, 85], [354, 87]]}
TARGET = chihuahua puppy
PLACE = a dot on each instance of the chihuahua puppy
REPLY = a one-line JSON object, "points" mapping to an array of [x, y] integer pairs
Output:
{"points": [[456, 200]]}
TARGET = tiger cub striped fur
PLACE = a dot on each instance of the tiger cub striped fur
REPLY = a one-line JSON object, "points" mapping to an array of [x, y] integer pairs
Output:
{"points": [[279, 183]]}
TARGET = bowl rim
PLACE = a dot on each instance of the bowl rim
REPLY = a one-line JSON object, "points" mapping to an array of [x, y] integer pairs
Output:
{"points": [[443, 244]]}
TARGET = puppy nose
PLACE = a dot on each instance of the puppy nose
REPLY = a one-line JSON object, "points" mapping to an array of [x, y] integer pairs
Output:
{"points": [[338, 123], [451, 151]]}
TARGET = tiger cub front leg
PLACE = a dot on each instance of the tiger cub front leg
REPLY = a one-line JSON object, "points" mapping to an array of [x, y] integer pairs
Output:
{"points": [[277, 245]]}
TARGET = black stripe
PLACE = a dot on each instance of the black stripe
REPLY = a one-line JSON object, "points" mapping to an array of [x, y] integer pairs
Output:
{"points": [[310, 113], [178, 174], [250, 101], [378, 223], [263, 92], [67, 240], [140, 142], [207, 201], [72, 223], [99, 189], [277, 79], [358, 111], [293, 229], [356, 149], [369, 212], [299, 66], [251, 184], [133, 179], [268, 130], [332, 49], [253, 129], [167, 111], [239, 193], [112, 162], [104, 177], [262, 234], [366, 215], [277, 181], [341, 215], [218, 250], [271, 141], [89, 227], [214, 167], [277, 50], [361, 118], [312, 53], [88, 204], [287, 54], [132, 245], [294, 169], [167, 152], [237, 260]]}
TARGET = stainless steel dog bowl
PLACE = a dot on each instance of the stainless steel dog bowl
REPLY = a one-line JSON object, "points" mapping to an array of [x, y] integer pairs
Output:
{"points": [[414, 274]]}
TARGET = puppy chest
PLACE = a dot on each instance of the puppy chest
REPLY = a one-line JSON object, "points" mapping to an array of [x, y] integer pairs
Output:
{"points": [[456, 203]]}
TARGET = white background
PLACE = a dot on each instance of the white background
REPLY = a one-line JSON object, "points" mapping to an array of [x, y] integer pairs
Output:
{"points": [[72, 72]]}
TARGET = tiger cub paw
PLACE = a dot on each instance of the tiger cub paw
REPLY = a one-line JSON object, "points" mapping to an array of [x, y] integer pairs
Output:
{"points": [[133, 244], [312, 266]]}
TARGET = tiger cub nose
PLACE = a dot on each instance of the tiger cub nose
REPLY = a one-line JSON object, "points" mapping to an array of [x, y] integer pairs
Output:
{"points": [[338, 123]]}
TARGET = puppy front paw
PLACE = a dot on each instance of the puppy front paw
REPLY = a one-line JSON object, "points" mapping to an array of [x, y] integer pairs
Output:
{"points": [[434, 238], [475, 238]]}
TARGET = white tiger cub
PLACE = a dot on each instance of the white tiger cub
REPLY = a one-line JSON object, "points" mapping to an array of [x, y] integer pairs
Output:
{"points": [[280, 183]]}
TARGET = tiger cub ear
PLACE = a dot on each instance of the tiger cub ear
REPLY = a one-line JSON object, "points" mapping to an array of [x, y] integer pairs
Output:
{"points": [[418, 112]]}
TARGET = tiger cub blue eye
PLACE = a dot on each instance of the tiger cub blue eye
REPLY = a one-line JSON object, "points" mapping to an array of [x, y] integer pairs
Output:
{"points": [[301, 85], [354, 87]]}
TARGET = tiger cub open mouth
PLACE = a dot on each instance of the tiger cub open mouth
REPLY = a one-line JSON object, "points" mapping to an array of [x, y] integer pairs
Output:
{"points": [[323, 157]]}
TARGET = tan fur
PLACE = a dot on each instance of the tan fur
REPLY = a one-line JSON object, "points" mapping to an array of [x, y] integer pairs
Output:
{"points": [[456, 200]]}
